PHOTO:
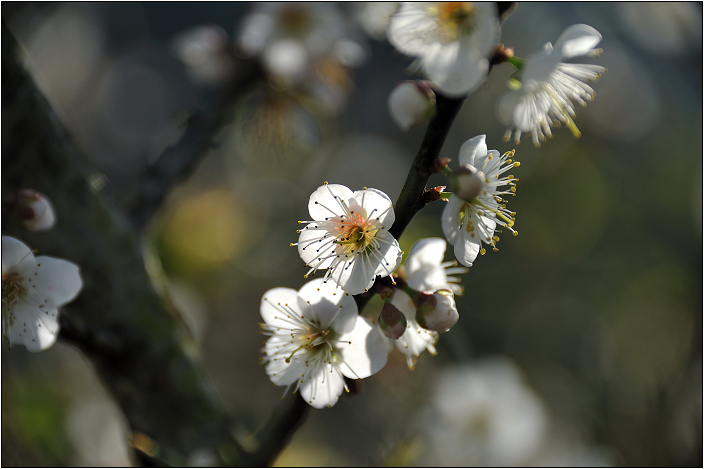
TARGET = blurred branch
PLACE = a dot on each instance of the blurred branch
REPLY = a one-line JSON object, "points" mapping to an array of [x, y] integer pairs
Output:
{"points": [[177, 162], [139, 347]]}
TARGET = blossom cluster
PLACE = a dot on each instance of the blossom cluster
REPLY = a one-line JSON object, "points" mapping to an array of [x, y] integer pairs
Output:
{"points": [[317, 337]]}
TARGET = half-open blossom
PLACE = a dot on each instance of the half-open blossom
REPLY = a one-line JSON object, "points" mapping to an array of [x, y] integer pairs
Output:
{"points": [[348, 235], [469, 224], [33, 288], [316, 340], [549, 87], [451, 39], [426, 272], [34, 210]]}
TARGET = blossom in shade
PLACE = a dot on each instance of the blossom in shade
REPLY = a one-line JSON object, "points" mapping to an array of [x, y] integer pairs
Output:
{"points": [[316, 340], [348, 235], [549, 87], [469, 224], [452, 40], [33, 288], [425, 272]]}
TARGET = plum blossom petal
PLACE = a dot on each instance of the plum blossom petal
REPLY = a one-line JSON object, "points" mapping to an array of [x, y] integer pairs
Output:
{"points": [[347, 235], [469, 224], [32, 290], [316, 339], [550, 88], [451, 40]]}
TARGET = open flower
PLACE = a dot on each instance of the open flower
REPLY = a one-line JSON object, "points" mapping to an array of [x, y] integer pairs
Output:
{"points": [[348, 236], [468, 224], [426, 272], [317, 339], [32, 291], [549, 87], [451, 39]]}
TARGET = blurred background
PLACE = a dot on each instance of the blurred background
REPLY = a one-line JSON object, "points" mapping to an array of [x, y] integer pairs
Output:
{"points": [[579, 341]]}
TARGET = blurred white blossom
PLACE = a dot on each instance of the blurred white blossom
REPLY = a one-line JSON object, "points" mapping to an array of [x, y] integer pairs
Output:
{"points": [[316, 340], [374, 17], [549, 87], [203, 49], [467, 225], [451, 39], [483, 414], [411, 103], [348, 235], [32, 291], [290, 36]]}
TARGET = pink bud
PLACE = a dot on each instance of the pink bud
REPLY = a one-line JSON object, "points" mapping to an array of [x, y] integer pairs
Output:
{"points": [[34, 210], [392, 322], [438, 311]]}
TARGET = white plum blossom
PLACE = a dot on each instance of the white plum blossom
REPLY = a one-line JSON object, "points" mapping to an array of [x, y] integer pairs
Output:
{"points": [[469, 224], [411, 103], [549, 87], [452, 40], [484, 414], [316, 340], [33, 288], [374, 17], [426, 272], [348, 235]]}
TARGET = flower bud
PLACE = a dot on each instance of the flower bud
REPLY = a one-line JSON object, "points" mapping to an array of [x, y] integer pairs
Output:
{"points": [[466, 182], [438, 311], [392, 322], [411, 103], [34, 210]]}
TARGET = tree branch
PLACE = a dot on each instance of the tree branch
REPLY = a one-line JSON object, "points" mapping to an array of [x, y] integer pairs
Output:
{"points": [[178, 161]]}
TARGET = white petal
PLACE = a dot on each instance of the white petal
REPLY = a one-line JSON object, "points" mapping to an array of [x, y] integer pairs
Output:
{"points": [[416, 340], [578, 39], [323, 204], [426, 251], [37, 329], [315, 247], [403, 302], [324, 388], [57, 280], [376, 205], [390, 253], [275, 304], [332, 307], [17, 257], [287, 58], [356, 275], [280, 372], [506, 106], [467, 249], [455, 71], [451, 218], [411, 27], [363, 351], [473, 148]]}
